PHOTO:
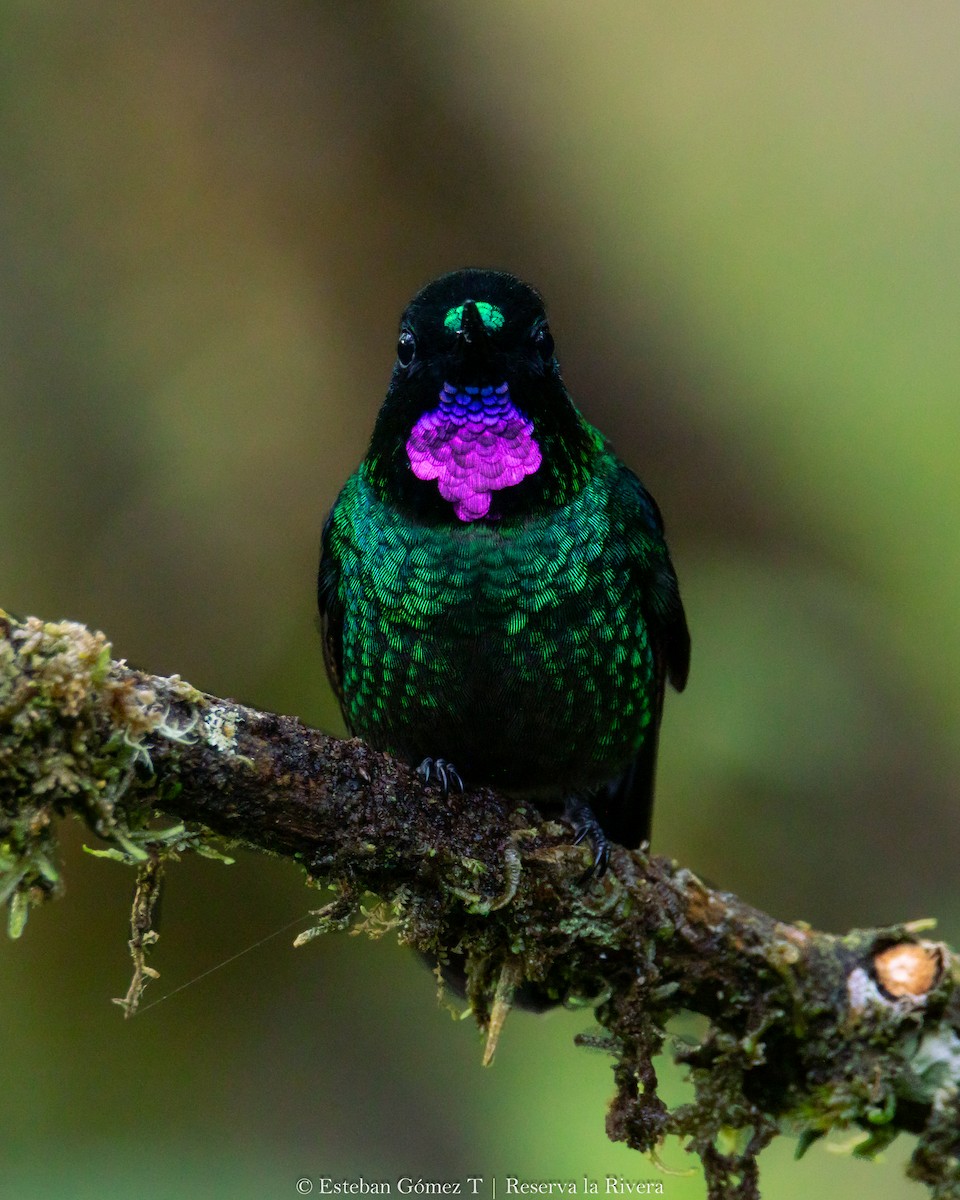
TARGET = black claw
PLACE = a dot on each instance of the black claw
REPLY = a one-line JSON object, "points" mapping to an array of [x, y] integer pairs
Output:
{"points": [[445, 773], [587, 828]]}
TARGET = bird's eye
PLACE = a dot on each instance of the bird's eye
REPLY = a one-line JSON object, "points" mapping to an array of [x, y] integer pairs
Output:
{"points": [[406, 348], [543, 340]]}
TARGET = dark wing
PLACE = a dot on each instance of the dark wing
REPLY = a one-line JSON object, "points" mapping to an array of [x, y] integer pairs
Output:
{"points": [[331, 606], [625, 808], [663, 613]]}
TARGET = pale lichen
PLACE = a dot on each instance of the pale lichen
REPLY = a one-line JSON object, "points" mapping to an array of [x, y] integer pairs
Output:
{"points": [[219, 727], [936, 1066]]}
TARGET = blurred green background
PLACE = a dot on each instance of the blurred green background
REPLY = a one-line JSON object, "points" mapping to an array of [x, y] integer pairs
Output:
{"points": [[745, 221]]}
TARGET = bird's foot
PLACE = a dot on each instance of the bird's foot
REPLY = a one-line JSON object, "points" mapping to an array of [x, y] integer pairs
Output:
{"points": [[587, 829], [441, 771]]}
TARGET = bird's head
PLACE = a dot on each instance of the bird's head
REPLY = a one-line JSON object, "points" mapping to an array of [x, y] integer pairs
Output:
{"points": [[473, 328], [477, 424]]}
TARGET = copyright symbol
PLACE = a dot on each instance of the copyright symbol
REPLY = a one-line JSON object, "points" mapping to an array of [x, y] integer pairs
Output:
{"points": [[304, 1186]]}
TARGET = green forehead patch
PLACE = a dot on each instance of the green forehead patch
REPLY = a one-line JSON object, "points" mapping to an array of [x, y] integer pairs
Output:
{"points": [[490, 315]]}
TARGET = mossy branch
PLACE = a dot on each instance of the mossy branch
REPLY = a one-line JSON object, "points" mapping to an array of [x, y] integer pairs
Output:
{"points": [[804, 1031]]}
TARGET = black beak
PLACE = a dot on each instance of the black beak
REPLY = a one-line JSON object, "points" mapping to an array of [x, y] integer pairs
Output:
{"points": [[472, 336]]}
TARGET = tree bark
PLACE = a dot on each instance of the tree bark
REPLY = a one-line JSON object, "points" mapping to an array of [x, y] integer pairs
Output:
{"points": [[805, 1031]]}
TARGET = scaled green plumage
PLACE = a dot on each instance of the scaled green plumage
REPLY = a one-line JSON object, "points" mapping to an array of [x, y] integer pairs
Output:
{"points": [[494, 583], [522, 644]]}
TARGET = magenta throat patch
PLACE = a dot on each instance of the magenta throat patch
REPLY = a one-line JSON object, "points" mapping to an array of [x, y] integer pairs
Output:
{"points": [[473, 444]]}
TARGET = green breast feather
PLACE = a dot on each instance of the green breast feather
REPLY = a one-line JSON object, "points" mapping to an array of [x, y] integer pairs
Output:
{"points": [[519, 650]]}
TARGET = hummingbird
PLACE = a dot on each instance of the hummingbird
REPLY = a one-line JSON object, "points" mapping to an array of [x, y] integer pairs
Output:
{"points": [[497, 601]]}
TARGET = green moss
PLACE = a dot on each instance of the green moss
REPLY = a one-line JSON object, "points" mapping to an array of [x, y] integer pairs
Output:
{"points": [[71, 736]]}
